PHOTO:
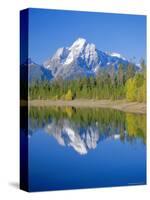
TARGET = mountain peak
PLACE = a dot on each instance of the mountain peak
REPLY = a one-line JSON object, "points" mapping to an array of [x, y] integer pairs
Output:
{"points": [[79, 43]]}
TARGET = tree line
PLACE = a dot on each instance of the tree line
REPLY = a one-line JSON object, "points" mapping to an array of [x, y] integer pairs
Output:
{"points": [[128, 84]]}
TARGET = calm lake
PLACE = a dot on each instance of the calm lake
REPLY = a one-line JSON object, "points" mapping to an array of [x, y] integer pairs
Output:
{"points": [[79, 148]]}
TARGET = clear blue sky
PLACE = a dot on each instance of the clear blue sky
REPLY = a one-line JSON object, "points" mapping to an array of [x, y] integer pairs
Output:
{"points": [[51, 29]]}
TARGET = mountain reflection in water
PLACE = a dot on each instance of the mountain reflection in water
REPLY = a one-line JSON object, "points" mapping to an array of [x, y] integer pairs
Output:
{"points": [[83, 129]]}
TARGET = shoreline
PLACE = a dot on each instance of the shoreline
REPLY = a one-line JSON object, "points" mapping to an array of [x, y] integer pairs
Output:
{"points": [[122, 105]]}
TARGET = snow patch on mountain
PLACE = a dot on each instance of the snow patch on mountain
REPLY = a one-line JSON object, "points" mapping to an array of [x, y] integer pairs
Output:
{"points": [[114, 54]]}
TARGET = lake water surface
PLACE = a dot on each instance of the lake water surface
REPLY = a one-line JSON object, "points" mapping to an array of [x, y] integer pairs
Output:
{"points": [[80, 148]]}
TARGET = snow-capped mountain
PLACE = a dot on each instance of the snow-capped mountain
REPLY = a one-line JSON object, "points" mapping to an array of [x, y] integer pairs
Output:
{"points": [[78, 60], [82, 59]]}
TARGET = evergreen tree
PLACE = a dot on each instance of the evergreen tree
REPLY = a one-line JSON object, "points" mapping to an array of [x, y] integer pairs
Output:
{"points": [[120, 74], [130, 71]]}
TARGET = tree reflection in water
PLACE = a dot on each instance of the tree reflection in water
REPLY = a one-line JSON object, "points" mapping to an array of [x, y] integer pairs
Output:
{"points": [[83, 128]]}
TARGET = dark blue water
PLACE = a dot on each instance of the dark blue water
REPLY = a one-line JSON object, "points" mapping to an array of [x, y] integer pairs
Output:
{"points": [[80, 148]]}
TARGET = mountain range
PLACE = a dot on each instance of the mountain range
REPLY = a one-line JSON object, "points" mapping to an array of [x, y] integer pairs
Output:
{"points": [[79, 60]]}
